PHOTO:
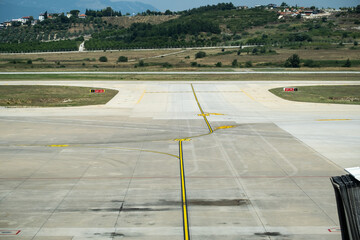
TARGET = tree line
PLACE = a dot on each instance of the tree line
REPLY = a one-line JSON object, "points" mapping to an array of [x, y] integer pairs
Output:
{"points": [[67, 45], [106, 12]]}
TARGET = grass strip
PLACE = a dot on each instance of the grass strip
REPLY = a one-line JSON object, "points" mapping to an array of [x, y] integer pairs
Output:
{"points": [[339, 94], [51, 96], [168, 77]]}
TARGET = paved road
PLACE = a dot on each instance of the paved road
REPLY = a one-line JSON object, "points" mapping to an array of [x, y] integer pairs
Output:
{"points": [[252, 166], [188, 73]]}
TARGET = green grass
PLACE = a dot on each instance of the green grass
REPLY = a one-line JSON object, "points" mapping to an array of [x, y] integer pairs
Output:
{"points": [[339, 94], [180, 77], [51, 96]]}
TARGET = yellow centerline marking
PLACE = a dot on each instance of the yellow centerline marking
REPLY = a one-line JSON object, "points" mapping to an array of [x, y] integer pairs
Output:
{"points": [[183, 140], [58, 145], [208, 114], [201, 110], [224, 127], [141, 97], [324, 120], [247, 94], [183, 194]]}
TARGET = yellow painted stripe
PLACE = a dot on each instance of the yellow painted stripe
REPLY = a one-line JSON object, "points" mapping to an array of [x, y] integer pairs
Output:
{"points": [[324, 120], [208, 124], [247, 94], [208, 114], [58, 145], [141, 97], [224, 127], [183, 195], [183, 140], [201, 110]]}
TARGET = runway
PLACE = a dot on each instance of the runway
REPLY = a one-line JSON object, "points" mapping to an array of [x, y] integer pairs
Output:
{"points": [[175, 160]]}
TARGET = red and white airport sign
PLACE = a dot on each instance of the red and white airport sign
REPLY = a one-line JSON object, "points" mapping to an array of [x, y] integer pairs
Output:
{"points": [[97, 90], [290, 89]]}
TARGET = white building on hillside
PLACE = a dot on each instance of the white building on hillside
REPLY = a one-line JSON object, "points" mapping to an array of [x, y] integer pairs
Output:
{"points": [[42, 17]]}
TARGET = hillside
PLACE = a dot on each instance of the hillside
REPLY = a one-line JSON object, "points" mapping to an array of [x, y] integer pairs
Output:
{"points": [[215, 25], [126, 22]]}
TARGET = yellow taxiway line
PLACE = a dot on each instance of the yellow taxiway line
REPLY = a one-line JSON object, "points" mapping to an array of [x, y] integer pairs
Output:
{"points": [[183, 195], [141, 97], [201, 110]]}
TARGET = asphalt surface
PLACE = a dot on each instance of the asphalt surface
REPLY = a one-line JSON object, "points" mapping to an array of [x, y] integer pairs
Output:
{"points": [[187, 73], [209, 160]]}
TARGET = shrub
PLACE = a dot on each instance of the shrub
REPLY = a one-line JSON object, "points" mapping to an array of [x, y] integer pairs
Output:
{"points": [[218, 64], [29, 61], [122, 59], [141, 63], [200, 54], [194, 64], [293, 61], [103, 59], [310, 63], [234, 63], [167, 65], [347, 63], [248, 64]]}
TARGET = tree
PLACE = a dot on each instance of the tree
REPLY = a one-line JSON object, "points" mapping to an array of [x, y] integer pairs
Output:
{"points": [[248, 64], [74, 13], [200, 54], [141, 63], [293, 61], [234, 63], [103, 59], [219, 64], [347, 63], [122, 59]]}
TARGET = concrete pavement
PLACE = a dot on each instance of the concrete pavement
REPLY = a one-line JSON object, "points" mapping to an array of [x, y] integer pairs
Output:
{"points": [[112, 171]]}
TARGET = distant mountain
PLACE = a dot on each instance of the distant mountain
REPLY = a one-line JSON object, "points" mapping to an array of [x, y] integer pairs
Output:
{"points": [[10, 9]]}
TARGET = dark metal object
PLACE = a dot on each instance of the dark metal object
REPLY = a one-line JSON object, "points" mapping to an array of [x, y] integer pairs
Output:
{"points": [[347, 193]]}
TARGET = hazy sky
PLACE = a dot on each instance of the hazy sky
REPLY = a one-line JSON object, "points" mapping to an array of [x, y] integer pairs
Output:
{"points": [[187, 4]]}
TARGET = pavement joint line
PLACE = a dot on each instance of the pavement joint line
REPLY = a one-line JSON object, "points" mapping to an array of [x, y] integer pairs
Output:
{"points": [[165, 177], [329, 120], [116, 148]]}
